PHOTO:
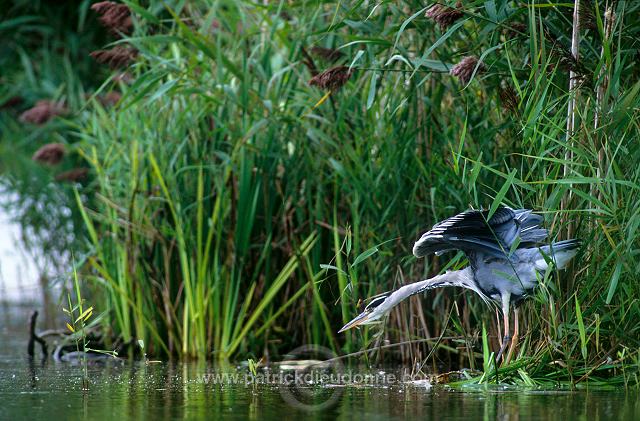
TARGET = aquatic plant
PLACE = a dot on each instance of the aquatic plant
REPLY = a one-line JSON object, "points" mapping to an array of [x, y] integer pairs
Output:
{"points": [[466, 68], [73, 175], [443, 15], [114, 16], [42, 112], [79, 322], [50, 154], [223, 181], [115, 57], [332, 79]]}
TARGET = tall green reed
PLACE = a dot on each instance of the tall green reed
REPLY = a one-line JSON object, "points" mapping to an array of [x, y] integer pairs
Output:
{"points": [[224, 181]]}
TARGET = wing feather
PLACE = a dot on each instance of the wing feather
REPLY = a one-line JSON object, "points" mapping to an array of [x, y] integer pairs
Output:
{"points": [[472, 232]]}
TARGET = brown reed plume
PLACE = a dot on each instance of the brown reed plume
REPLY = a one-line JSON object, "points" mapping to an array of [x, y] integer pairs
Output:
{"points": [[515, 30], [464, 69], [115, 16], [50, 154], [73, 175], [117, 57], [110, 99], [42, 112], [444, 16], [332, 79], [509, 98]]}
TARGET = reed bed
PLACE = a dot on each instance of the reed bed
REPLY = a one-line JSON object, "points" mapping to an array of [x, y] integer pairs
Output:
{"points": [[268, 166]]}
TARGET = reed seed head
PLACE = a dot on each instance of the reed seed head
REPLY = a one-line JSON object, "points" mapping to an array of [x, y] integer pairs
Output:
{"points": [[73, 175], [464, 69], [110, 99], [444, 16], [115, 16], [117, 57], [509, 98], [332, 79], [515, 30], [50, 154], [42, 112]]}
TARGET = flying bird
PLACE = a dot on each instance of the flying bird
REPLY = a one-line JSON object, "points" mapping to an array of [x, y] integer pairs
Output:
{"points": [[506, 257]]}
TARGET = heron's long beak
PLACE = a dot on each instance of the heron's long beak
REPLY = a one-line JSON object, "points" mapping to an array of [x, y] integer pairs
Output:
{"points": [[362, 318]]}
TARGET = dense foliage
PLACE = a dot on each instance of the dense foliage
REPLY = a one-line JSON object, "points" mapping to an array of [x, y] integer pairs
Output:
{"points": [[242, 202]]}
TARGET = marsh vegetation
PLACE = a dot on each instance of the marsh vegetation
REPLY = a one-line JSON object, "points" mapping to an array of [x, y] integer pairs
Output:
{"points": [[240, 175]]}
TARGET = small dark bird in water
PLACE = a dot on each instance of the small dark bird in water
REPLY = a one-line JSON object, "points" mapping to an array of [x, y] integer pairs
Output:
{"points": [[506, 260]]}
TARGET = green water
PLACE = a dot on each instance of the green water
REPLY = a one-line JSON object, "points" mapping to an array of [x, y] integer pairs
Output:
{"points": [[121, 390]]}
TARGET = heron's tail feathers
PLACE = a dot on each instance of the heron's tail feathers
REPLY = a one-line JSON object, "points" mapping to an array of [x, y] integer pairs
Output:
{"points": [[560, 253]]}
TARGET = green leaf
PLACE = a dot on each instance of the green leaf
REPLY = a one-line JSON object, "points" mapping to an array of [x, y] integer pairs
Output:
{"points": [[486, 353], [514, 245], [492, 12], [372, 89], [443, 38], [406, 23], [398, 57], [613, 283], [457, 154], [359, 54], [268, 296], [85, 315], [436, 65], [139, 10], [252, 366], [583, 335], [364, 255], [331, 267], [502, 193]]}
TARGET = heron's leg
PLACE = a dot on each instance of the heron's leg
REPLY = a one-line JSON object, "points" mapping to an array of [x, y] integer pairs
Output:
{"points": [[499, 327], [514, 339], [506, 297]]}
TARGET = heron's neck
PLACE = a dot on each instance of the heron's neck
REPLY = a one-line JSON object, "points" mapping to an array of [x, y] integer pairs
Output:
{"points": [[458, 278], [463, 278], [455, 278]]}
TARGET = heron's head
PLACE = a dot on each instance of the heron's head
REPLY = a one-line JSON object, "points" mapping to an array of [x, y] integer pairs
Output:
{"points": [[372, 313]]}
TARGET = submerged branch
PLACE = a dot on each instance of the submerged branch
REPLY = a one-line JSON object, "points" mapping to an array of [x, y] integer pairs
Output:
{"points": [[33, 337]]}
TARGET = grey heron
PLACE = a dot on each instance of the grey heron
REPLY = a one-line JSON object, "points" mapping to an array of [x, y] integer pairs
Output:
{"points": [[506, 260]]}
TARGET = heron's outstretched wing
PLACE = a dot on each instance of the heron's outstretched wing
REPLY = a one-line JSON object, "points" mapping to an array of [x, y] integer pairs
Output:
{"points": [[530, 232], [472, 232]]}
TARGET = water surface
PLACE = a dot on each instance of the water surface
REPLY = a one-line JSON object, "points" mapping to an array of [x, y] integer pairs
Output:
{"points": [[124, 389]]}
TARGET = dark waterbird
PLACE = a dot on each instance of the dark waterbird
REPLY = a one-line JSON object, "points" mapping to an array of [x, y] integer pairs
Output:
{"points": [[506, 260]]}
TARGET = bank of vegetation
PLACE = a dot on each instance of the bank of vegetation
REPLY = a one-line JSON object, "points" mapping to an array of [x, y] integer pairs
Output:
{"points": [[260, 169]]}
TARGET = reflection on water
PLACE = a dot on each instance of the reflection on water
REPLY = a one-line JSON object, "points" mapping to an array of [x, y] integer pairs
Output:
{"points": [[179, 391], [18, 271], [37, 236]]}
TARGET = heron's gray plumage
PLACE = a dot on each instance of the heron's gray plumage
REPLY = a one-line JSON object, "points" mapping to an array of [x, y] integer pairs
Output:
{"points": [[504, 251], [473, 232], [506, 259], [461, 278]]}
